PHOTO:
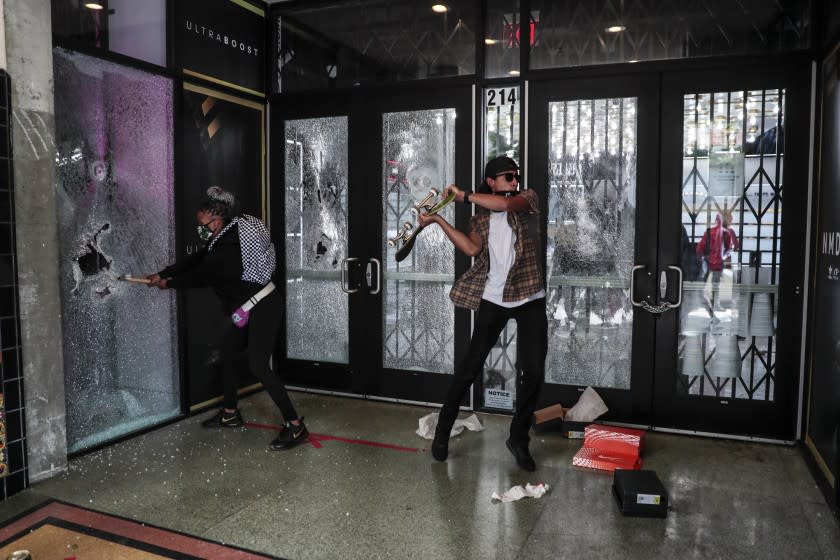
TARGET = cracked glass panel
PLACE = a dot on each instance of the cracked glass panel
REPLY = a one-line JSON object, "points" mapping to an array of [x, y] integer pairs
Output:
{"points": [[591, 231], [316, 239], [419, 155], [732, 194], [115, 199]]}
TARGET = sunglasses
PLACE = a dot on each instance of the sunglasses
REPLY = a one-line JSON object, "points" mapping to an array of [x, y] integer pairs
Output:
{"points": [[509, 176]]}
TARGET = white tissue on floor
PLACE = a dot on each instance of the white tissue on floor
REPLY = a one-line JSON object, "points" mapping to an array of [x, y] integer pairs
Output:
{"points": [[427, 424], [589, 407], [518, 492]]}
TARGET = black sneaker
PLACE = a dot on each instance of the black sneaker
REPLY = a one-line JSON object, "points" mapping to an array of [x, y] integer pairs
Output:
{"points": [[224, 419], [290, 436], [440, 447], [522, 456]]}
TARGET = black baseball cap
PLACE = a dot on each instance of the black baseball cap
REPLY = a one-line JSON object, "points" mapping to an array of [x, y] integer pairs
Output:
{"points": [[499, 165]]}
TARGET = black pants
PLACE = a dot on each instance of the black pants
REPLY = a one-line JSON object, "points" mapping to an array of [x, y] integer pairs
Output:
{"points": [[532, 343], [251, 347]]}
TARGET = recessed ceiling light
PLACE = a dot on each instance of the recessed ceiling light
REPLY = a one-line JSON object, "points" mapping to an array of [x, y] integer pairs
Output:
{"points": [[514, 72], [616, 29], [440, 8], [489, 41], [94, 6]]}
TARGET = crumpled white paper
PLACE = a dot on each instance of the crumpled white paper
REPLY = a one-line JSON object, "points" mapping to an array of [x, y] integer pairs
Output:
{"points": [[518, 492], [589, 407], [427, 424]]}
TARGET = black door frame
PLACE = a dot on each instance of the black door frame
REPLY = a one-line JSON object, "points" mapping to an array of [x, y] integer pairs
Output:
{"points": [[365, 375], [653, 79], [776, 419], [624, 405]]}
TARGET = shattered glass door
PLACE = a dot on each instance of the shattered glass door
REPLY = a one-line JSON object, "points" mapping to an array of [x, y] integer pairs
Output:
{"points": [[115, 204], [316, 239], [591, 231], [419, 322]]}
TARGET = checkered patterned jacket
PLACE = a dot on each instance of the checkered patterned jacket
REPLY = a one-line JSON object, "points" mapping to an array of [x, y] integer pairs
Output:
{"points": [[237, 263], [525, 277]]}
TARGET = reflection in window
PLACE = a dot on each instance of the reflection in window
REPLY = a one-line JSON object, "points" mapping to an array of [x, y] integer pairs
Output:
{"points": [[373, 41], [591, 229], [603, 31], [501, 41], [114, 172], [130, 27], [733, 160]]}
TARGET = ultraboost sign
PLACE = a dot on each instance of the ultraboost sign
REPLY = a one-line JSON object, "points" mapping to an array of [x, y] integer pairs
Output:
{"points": [[222, 41]]}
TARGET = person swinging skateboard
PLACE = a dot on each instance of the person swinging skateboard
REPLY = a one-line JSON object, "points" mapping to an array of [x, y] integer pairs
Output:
{"points": [[505, 282]]}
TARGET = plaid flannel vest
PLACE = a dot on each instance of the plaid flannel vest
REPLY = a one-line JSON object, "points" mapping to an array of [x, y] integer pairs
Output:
{"points": [[525, 277]]}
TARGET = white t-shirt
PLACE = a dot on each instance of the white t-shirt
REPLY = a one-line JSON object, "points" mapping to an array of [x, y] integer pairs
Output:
{"points": [[502, 253]]}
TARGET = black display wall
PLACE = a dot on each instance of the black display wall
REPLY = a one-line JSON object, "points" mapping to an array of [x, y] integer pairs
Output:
{"points": [[823, 437], [222, 144], [14, 475]]}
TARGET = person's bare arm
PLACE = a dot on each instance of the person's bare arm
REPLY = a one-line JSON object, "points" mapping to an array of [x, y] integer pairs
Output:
{"points": [[470, 244], [492, 202]]}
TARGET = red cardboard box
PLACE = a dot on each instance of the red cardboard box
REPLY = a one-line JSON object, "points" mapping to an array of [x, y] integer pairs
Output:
{"points": [[614, 439], [590, 458], [610, 447]]}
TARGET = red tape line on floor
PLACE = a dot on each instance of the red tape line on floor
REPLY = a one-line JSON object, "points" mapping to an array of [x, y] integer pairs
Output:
{"points": [[316, 439]]}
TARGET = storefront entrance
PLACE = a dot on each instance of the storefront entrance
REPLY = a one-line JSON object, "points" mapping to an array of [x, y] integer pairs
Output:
{"points": [[634, 172]]}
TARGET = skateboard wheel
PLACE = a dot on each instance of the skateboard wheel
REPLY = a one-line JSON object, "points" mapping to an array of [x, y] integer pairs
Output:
{"points": [[434, 192], [392, 243], [415, 211], [407, 227]]}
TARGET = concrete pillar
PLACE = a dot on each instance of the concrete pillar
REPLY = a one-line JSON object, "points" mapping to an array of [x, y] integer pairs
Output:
{"points": [[2, 38], [29, 64]]}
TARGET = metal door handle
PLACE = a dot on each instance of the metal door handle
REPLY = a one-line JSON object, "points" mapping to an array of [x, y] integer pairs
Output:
{"points": [[632, 285], [663, 289], [378, 275], [679, 287], [345, 287]]}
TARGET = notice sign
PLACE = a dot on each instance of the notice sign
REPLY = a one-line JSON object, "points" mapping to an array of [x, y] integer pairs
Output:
{"points": [[726, 173], [222, 41], [498, 398]]}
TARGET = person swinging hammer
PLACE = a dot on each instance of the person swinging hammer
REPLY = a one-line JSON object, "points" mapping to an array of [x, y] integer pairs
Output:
{"points": [[238, 262]]}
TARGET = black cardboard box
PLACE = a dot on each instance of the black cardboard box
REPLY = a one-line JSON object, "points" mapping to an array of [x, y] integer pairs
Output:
{"points": [[639, 493]]}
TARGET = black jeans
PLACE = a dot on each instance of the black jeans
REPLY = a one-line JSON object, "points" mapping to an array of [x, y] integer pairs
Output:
{"points": [[532, 342], [251, 347]]}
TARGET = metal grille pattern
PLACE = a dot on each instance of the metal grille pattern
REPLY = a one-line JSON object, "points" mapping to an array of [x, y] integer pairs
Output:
{"points": [[733, 156], [419, 323], [591, 230]]}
